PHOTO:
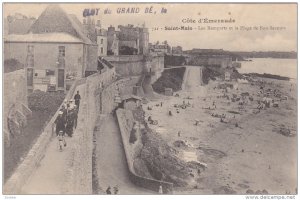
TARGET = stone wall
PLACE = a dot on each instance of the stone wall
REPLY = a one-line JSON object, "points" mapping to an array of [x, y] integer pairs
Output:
{"points": [[100, 91], [211, 60], [157, 65], [135, 65], [79, 169], [15, 104], [125, 121], [78, 175], [119, 88]]}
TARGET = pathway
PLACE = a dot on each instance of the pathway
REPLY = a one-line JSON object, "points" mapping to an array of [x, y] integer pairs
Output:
{"points": [[112, 166], [192, 81], [48, 177]]}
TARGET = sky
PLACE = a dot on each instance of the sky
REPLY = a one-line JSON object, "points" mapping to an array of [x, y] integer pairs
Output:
{"points": [[251, 16]]}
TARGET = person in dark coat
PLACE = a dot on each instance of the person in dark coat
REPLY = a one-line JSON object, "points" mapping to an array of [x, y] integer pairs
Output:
{"points": [[108, 190], [60, 123], [116, 189], [64, 112], [77, 99], [70, 122], [75, 110]]}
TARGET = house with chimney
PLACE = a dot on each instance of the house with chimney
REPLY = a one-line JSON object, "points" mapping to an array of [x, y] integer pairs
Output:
{"points": [[54, 51]]}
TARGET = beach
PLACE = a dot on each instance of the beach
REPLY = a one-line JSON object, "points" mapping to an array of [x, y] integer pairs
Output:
{"points": [[246, 149]]}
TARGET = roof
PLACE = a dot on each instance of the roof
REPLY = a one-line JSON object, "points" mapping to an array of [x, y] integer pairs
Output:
{"points": [[44, 38], [55, 19], [130, 96]]}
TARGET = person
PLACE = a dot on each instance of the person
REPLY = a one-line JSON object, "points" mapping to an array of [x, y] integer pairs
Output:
{"points": [[160, 190], [61, 140], [108, 190], [75, 113], [77, 98], [65, 103], [179, 133], [70, 122], [116, 189], [64, 111], [60, 123]]}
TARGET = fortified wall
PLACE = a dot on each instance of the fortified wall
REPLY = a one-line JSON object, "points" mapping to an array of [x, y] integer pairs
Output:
{"points": [[211, 60], [126, 125], [135, 65], [78, 175], [78, 178], [101, 94]]}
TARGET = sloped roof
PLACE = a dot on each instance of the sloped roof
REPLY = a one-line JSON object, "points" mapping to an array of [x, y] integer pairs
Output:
{"points": [[55, 19], [44, 37], [76, 21]]}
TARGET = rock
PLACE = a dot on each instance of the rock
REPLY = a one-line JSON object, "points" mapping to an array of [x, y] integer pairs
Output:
{"points": [[244, 186], [265, 191], [258, 192], [249, 191], [224, 190], [180, 143], [162, 162]]}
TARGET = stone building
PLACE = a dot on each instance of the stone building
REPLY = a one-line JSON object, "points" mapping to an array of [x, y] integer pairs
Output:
{"points": [[128, 40], [160, 48], [96, 34], [54, 51], [177, 50], [209, 58]]}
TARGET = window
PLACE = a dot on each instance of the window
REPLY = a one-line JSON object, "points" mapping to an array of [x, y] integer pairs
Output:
{"points": [[30, 49], [61, 78], [61, 51], [101, 50], [29, 77], [50, 72], [101, 41]]}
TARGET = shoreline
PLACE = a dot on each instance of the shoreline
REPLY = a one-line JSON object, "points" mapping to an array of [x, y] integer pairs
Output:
{"points": [[225, 148]]}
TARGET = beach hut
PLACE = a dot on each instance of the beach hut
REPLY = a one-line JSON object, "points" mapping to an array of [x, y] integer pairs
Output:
{"points": [[131, 102]]}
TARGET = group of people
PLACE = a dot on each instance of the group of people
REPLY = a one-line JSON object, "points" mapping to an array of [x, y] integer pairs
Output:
{"points": [[66, 120], [116, 190]]}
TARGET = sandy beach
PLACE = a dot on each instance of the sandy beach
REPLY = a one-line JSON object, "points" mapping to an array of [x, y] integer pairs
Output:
{"points": [[243, 147]]}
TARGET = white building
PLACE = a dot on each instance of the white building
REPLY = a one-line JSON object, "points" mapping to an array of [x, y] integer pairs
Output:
{"points": [[101, 40]]}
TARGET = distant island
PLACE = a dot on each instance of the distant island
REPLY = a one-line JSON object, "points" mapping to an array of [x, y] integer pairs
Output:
{"points": [[265, 75], [244, 55], [267, 54]]}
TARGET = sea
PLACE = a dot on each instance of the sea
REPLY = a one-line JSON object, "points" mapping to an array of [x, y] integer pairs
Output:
{"points": [[282, 67]]}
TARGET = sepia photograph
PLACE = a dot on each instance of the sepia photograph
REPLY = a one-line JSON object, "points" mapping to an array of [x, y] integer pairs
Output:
{"points": [[150, 99]]}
